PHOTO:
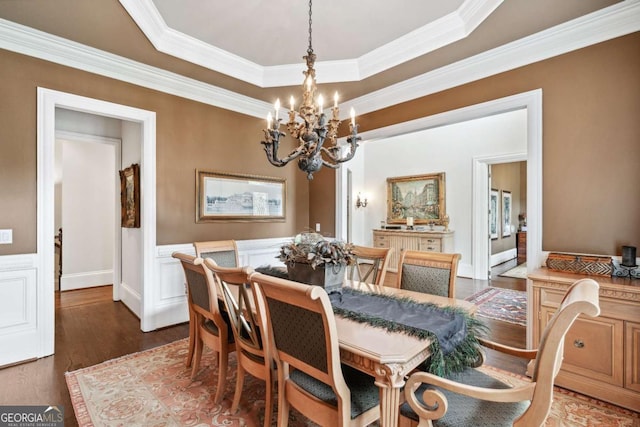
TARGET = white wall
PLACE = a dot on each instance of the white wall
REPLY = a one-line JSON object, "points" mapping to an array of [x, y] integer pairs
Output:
{"points": [[130, 289], [87, 198], [448, 149]]}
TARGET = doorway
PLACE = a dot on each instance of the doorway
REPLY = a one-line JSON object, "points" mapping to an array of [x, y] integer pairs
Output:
{"points": [[508, 196], [144, 125], [86, 201]]}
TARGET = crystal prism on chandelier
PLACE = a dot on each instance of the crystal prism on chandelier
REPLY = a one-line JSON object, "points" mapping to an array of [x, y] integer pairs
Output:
{"points": [[309, 125]]}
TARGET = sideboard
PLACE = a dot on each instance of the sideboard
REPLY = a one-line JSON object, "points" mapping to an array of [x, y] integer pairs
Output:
{"points": [[400, 240], [601, 354]]}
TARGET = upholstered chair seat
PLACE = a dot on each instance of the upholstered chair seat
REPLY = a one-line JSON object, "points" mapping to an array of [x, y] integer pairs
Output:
{"points": [[468, 410], [363, 395]]}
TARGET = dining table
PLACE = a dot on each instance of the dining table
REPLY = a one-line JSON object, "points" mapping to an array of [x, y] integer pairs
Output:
{"points": [[388, 356]]}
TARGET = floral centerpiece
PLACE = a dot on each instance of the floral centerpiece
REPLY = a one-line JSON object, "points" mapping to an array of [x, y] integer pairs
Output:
{"points": [[312, 259]]}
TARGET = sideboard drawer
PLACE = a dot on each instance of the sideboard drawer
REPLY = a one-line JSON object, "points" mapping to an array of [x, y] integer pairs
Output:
{"points": [[431, 245]]}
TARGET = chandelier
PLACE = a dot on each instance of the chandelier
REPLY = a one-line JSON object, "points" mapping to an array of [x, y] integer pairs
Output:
{"points": [[309, 125]]}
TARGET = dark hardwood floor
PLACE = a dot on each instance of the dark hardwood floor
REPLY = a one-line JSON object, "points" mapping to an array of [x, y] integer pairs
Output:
{"points": [[91, 328]]}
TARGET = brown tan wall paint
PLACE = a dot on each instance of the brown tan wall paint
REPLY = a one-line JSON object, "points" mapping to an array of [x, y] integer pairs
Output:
{"points": [[591, 140], [591, 148], [190, 136]]}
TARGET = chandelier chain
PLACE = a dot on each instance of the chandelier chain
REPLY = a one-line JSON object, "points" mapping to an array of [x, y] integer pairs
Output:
{"points": [[310, 49]]}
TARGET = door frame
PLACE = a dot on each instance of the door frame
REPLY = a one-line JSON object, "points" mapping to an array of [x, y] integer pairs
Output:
{"points": [[48, 101]]}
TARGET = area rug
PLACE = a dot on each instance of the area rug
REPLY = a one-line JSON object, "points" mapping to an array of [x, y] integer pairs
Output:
{"points": [[517, 272], [502, 304], [153, 388]]}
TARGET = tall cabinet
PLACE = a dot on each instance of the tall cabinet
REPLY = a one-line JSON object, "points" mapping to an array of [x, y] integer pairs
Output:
{"points": [[601, 354], [400, 240]]}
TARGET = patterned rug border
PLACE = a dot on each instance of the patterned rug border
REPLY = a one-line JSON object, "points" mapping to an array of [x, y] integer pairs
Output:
{"points": [[486, 295], [77, 399]]}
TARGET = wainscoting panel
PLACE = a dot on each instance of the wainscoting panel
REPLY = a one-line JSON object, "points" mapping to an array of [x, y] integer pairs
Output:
{"points": [[170, 298], [19, 339]]}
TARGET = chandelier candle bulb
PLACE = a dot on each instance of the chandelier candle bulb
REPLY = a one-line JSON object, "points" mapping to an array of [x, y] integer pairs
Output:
{"points": [[277, 108], [291, 102], [335, 100], [353, 117]]}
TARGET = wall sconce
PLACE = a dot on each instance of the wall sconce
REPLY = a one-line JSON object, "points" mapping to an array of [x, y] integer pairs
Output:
{"points": [[361, 202]]}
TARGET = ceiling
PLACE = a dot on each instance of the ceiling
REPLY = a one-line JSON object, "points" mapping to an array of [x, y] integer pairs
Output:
{"points": [[254, 48]]}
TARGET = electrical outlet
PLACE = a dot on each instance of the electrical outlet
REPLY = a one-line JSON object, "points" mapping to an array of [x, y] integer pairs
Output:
{"points": [[6, 237], [317, 227]]}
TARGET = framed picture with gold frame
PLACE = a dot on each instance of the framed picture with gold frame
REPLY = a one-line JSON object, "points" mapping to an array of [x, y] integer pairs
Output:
{"points": [[130, 196], [421, 197], [222, 196]]}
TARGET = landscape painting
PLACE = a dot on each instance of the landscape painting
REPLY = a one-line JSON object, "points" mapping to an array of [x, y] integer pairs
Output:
{"points": [[233, 197]]}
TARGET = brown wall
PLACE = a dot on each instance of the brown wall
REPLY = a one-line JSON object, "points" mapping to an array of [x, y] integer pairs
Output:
{"points": [[591, 148], [591, 140], [190, 136]]}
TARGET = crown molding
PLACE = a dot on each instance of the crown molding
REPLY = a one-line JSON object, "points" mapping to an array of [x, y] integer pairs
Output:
{"points": [[615, 21], [38, 44], [446, 30]]}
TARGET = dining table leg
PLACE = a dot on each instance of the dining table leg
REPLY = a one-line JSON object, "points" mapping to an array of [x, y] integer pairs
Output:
{"points": [[390, 380]]}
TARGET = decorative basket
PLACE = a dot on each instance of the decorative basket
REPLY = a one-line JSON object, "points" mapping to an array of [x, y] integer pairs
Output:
{"points": [[583, 264]]}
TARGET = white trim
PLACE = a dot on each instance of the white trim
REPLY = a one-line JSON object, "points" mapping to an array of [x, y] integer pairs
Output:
{"points": [[614, 21], [170, 298], [503, 256], [480, 241], [86, 279], [611, 22], [38, 44], [48, 101], [441, 32], [133, 300]]}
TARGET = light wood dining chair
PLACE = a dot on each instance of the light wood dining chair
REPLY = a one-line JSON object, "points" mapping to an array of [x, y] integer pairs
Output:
{"points": [[209, 325], [428, 272], [370, 264], [246, 321], [475, 398], [302, 330], [225, 254]]}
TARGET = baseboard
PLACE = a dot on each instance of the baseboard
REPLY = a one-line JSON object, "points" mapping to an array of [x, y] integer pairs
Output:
{"points": [[504, 256], [87, 279], [130, 298]]}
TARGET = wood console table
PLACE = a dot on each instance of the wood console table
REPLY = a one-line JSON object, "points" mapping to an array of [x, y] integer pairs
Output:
{"points": [[400, 240], [602, 354]]}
